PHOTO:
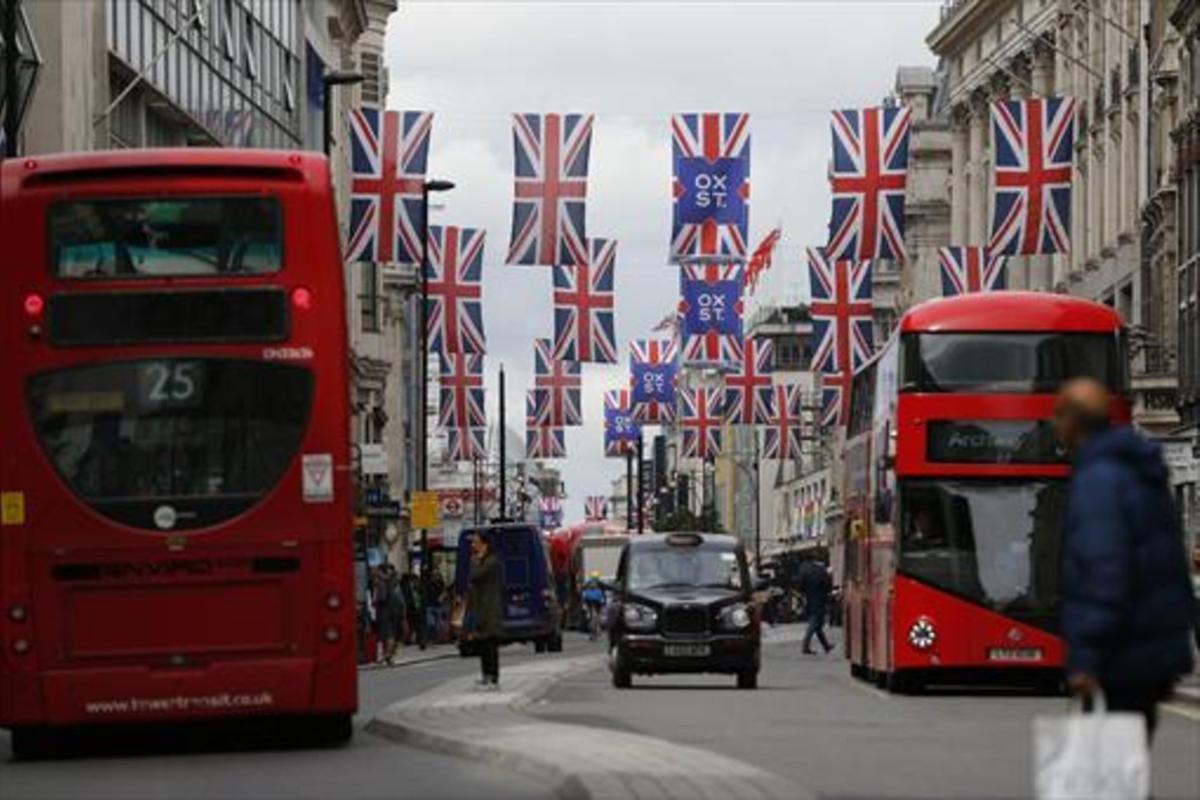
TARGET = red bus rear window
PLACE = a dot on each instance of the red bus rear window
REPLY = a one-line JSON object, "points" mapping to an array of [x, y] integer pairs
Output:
{"points": [[172, 443], [165, 237]]}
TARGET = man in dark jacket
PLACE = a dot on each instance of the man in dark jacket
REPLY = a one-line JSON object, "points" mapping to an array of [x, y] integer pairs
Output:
{"points": [[484, 615], [817, 586], [1125, 582]]}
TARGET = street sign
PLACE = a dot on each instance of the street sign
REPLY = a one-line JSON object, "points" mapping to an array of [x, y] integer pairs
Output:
{"points": [[424, 510], [390, 509], [373, 459]]}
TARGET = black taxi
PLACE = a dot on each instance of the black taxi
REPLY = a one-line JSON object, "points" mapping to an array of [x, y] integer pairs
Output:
{"points": [[682, 603]]}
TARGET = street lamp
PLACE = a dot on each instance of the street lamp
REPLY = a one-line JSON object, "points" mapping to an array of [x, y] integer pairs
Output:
{"points": [[431, 185], [328, 81]]}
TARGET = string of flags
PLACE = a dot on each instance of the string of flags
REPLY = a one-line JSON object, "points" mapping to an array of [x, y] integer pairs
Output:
{"points": [[1033, 141]]}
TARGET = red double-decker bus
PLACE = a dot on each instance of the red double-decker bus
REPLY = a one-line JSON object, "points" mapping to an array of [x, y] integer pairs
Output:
{"points": [[177, 521], [955, 487]]}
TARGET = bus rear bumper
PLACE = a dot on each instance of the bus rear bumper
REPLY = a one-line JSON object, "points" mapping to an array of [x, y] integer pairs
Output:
{"points": [[214, 690]]}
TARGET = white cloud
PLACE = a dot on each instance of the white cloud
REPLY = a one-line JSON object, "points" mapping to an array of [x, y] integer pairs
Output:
{"points": [[633, 64]]}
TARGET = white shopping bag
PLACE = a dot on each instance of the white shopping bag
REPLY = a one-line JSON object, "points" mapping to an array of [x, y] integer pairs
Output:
{"points": [[1097, 756]]}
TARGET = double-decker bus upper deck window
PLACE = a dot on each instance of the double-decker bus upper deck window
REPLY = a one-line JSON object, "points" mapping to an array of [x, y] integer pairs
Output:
{"points": [[1008, 362], [165, 237], [205, 437]]}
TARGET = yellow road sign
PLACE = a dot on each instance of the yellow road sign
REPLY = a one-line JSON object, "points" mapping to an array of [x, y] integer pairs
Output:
{"points": [[425, 509]]}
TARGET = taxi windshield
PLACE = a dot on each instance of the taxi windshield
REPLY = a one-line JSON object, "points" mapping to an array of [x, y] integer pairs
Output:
{"points": [[666, 567]]}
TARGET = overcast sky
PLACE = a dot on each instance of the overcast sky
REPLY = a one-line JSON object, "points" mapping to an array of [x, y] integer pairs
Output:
{"points": [[633, 64]]}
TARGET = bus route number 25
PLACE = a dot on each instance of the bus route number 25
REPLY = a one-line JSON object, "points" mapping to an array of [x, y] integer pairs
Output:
{"points": [[166, 383]]}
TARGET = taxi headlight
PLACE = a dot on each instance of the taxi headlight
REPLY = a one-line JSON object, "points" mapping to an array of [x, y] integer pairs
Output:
{"points": [[639, 617], [736, 617]]}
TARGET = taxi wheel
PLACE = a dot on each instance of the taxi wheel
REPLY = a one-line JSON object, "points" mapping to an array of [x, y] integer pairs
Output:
{"points": [[622, 679], [556, 644], [748, 679], [539, 646]]}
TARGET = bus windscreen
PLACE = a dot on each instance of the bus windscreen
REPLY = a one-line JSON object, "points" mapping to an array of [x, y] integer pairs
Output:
{"points": [[165, 237], [996, 543], [131, 438], [1014, 363]]}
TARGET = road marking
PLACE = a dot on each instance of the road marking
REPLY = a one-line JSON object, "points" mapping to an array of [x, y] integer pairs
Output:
{"points": [[1182, 710]]}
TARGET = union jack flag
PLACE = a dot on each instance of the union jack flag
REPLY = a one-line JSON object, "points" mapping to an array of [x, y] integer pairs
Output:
{"points": [[870, 169], [652, 366], [583, 307], [710, 311], [784, 439], [388, 154], [551, 162], [711, 187], [841, 309], [562, 381], [465, 444], [595, 507], [701, 415], [745, 403], [454, 290], [542, 442], [537, 408], [461, 391], [550, 512], [621, 431], [970, 269], [835, 398], [1035, 154]]}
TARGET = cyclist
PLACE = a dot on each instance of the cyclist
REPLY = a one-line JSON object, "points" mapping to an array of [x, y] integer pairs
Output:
{"points": [[593, 603]]}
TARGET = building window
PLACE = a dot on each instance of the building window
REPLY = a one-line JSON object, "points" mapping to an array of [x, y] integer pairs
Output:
{"points": [[372, 89], [789, 354], [368, 296]]}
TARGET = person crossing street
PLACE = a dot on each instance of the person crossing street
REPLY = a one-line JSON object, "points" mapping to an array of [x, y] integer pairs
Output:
{"points": [[817, 587], [482, 619], [1126, 597]]}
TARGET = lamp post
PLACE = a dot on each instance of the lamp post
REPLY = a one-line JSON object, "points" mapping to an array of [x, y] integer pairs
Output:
{"points": [[328, 81], [431, 185]]}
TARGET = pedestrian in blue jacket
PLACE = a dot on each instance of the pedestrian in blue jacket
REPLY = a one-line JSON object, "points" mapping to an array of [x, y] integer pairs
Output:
{"points": [[1126, 595]]}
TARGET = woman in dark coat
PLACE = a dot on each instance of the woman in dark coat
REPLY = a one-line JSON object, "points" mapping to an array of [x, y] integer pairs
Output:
{"points": [[484, 608]]}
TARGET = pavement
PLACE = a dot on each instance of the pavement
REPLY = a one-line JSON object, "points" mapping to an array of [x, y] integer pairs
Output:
{"points": [[493, 727], [412, 654]]}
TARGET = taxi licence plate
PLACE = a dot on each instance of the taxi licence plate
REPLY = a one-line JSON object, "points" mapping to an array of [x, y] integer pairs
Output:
{"points": [[1015, 654], [686, 650]]}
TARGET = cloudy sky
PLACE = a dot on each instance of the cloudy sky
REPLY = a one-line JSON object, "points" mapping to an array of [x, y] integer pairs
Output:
{"points": [[787, 62]]}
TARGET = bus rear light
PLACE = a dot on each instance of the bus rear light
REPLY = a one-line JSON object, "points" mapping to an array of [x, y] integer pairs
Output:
{"points": [[34, 305], [332, 601], [18, 612], [20, 646], [332, 634], [302, 298], [922, 635]]}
